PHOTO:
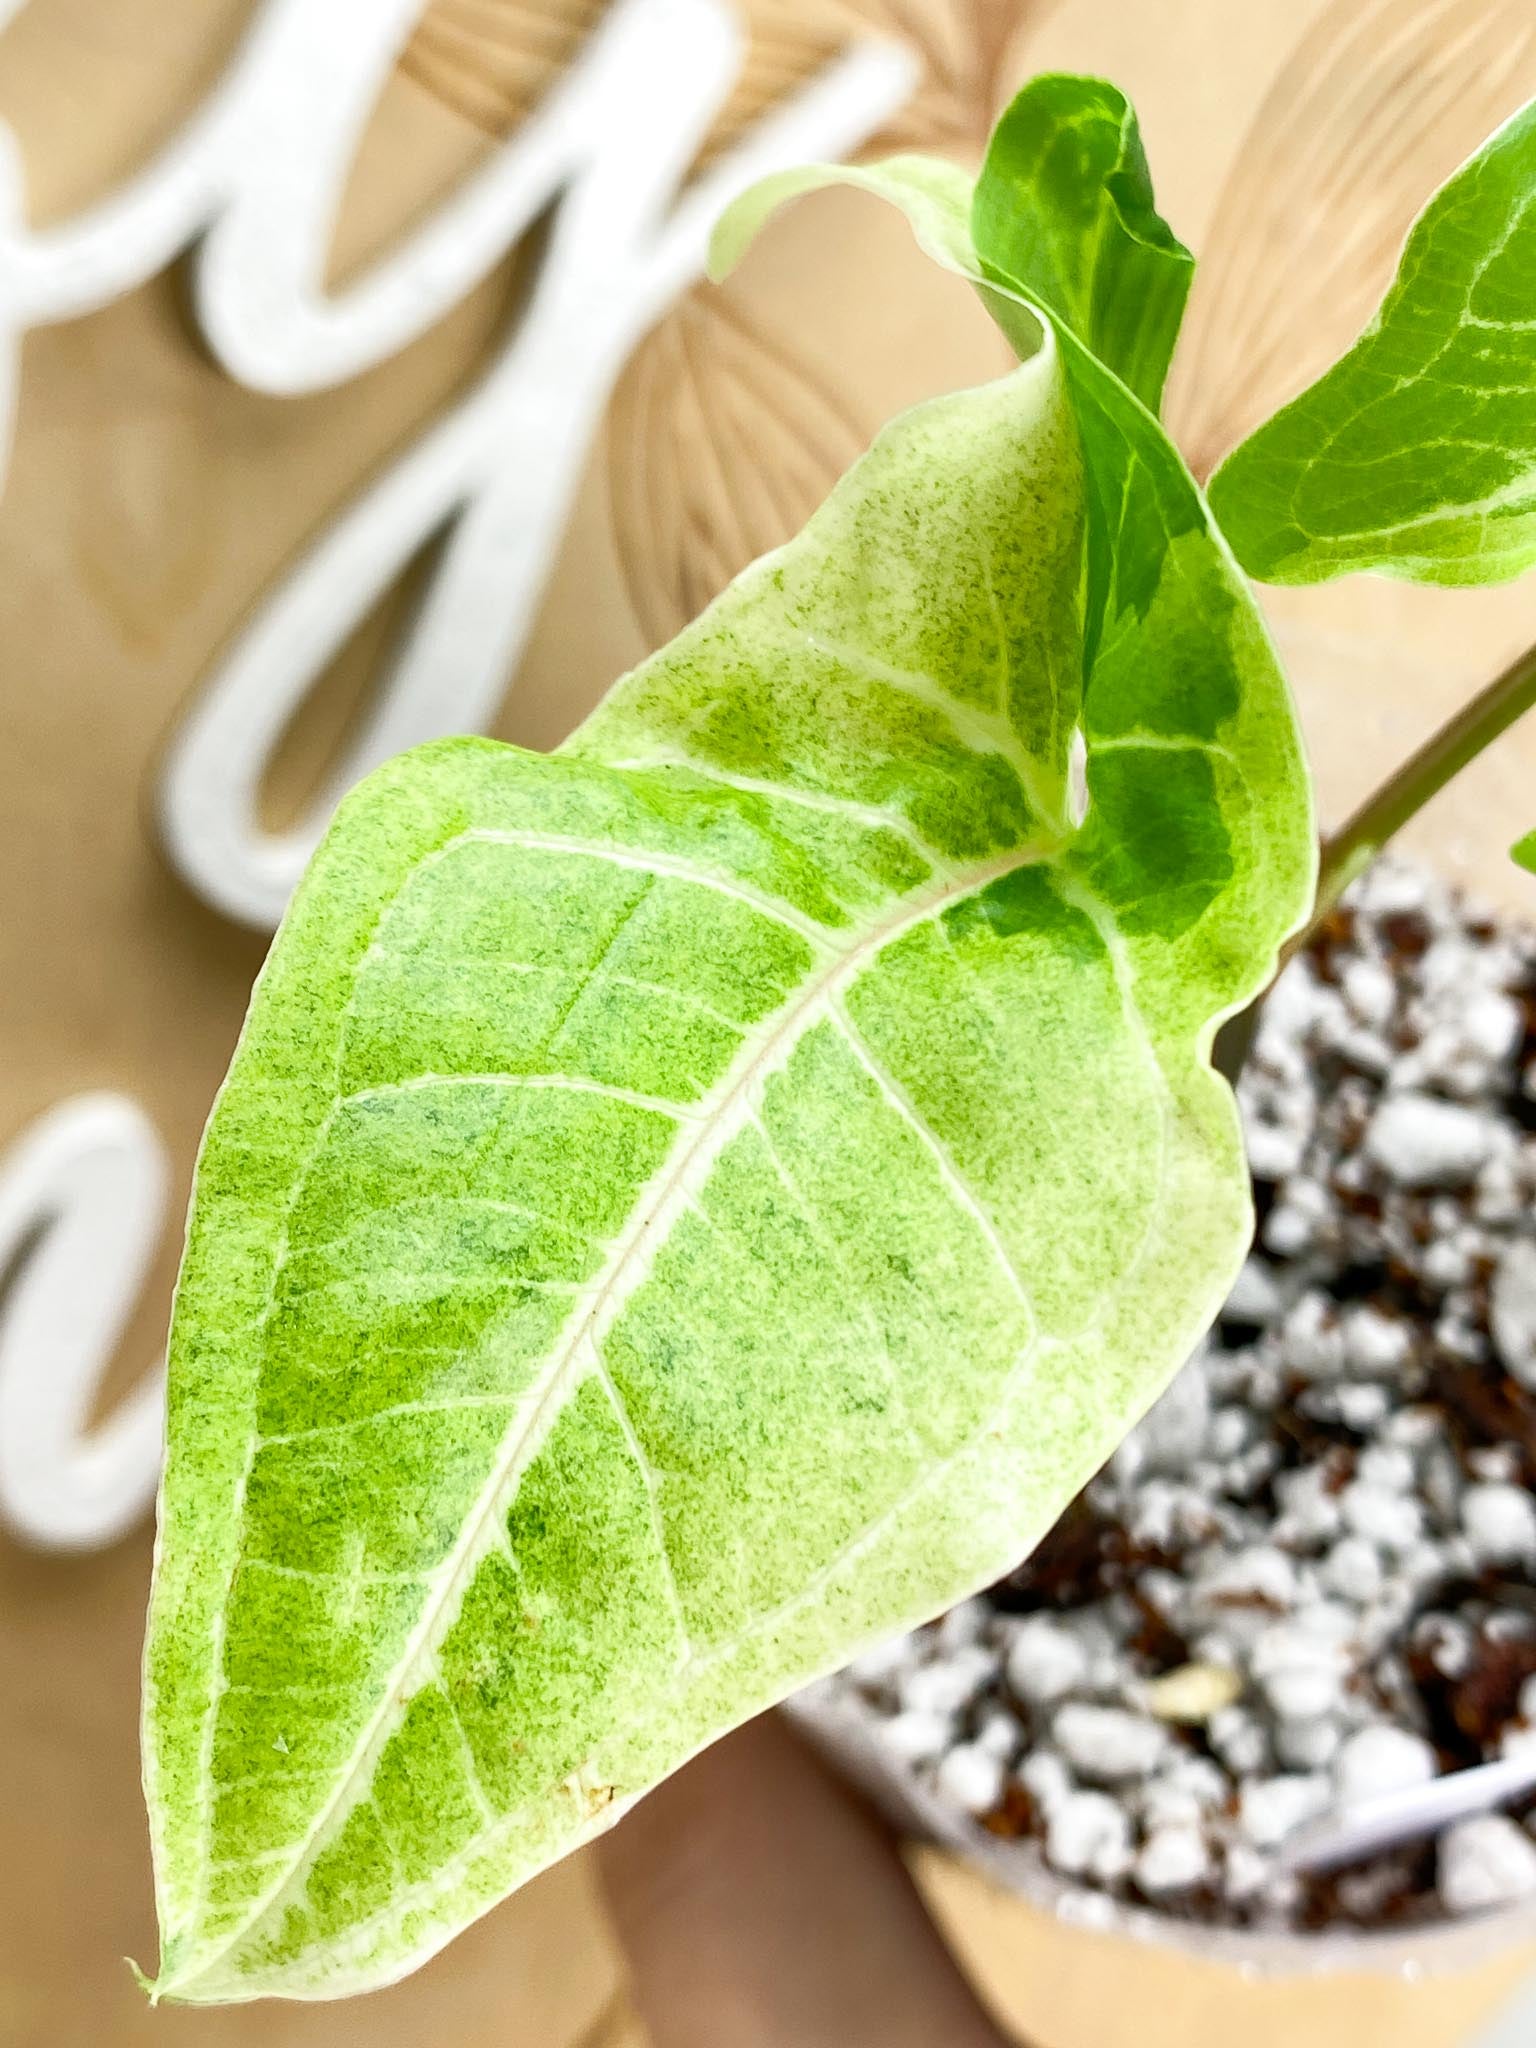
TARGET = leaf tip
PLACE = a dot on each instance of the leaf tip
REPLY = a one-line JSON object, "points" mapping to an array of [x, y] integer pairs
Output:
{"points": [[182, 1964], [150, 1986]]}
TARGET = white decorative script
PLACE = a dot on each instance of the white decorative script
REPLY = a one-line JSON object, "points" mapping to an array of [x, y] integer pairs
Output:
{"points": [[87, 1185], [251, 184]]}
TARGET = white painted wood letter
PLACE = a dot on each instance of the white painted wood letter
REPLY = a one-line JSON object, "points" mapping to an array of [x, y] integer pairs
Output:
{"points": [[82, 1206]]}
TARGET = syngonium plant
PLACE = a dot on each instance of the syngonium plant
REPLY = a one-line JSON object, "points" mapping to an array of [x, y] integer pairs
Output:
{"points": [[693, 1203]]}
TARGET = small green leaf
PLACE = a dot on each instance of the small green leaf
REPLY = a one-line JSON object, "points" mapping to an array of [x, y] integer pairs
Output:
{"points": [[1066, 189], [1524, 851], [1416, 453], [687, 1206]]}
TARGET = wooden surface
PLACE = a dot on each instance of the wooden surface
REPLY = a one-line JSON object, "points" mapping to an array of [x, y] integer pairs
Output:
{"points": [[151, 501]]}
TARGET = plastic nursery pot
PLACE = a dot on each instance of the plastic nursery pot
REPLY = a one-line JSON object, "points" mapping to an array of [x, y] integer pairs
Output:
{"points": [[848, 1738]]}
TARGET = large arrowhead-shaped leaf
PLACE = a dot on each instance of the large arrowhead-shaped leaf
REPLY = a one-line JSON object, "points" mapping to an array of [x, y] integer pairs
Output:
{"points": [[689, 1205], [1416, 453]]}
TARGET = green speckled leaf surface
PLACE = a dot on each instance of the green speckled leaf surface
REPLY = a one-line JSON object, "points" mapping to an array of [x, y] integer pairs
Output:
{"points": [[687, 1206], [1416, 453]]}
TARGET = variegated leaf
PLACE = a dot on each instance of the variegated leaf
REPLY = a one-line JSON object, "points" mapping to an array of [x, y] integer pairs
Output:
{"points": [[687, 1206]]}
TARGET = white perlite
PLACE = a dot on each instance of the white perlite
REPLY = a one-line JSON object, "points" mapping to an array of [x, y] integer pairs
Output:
{"points": [[1301, 1664], [1395, 1521], [1512, 1310], [1089, 1835], [1500, 1523], [918, 1738], [972, 1776], [1421, 1142], [1105, 1744], [1485, 1863], [945, 1687], [1273, 1808], [1260, 1595], [1046, 1660], [1354, 1569], [1173, 1859], [1047, 1780], [1382, 1759]]}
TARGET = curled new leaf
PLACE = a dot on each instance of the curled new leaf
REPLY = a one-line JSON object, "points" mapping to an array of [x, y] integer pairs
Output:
{"points": [[1067, 189], [687, 1206], [1416, 453]]}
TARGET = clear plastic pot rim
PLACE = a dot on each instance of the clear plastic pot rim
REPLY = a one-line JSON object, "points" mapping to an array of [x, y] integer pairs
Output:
{"points": [[847, 1735]]}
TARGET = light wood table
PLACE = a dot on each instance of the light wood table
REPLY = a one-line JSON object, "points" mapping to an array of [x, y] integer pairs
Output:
{"points": [[151, 500]]}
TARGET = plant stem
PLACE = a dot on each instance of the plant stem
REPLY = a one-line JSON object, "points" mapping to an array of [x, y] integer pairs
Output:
{"points": [[1423, 775], [1350, 850]]}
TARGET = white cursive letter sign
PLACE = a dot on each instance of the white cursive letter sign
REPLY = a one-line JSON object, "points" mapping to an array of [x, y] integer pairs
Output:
{"points": [[82, 1205], [254, 180]]}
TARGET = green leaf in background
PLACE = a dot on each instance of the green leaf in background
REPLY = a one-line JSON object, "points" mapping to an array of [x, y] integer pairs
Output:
{"points": [[1416, 453], [1067, 191], [1524, 851], [688, 1206]]}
